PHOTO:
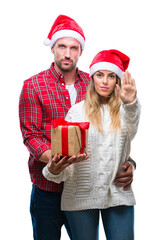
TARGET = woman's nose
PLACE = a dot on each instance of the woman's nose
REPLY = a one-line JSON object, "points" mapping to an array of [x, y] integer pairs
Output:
{"points": [[105, 80]]}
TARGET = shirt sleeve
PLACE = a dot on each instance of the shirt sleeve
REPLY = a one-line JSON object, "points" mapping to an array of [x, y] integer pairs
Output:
{"points": [[30, 115], [131, 115]]}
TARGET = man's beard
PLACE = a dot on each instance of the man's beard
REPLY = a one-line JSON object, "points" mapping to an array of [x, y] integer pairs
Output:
{"points": [[67, 69]]}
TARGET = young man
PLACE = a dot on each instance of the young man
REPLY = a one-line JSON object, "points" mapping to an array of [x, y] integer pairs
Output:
{"points": [[46, 96]]}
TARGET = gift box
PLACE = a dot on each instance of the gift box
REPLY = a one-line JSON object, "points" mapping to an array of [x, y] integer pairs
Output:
{"points": [[68, 138]]}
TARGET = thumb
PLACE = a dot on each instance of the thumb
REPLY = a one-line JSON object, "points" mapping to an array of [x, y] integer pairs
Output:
{"points": [[125, 165], [56, 158]]}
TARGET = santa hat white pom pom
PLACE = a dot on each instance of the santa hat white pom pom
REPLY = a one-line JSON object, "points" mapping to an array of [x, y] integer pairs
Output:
{"points": [[47, 42]]}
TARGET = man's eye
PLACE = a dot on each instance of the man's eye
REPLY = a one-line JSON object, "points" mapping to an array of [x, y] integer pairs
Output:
{"points": [[74, 48], [61, 46]]}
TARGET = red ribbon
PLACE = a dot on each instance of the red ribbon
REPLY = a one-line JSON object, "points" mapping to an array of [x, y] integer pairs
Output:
{"points": [[82, 125]]}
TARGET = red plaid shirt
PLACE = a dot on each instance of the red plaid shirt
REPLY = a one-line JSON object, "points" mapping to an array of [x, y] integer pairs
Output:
{"points": [[43, 98]]}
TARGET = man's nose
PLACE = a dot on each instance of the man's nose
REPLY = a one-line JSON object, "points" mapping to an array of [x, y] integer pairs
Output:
{"points": [[67, 53]]}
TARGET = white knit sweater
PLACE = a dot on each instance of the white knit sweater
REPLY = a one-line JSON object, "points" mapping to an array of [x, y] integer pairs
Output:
{"points": [[90, 184]]}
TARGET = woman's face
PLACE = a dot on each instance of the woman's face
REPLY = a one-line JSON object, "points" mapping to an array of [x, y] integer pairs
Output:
{"points": [[104, 82]]}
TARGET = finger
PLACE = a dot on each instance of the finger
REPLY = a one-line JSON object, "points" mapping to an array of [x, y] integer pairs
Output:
{"points": [[124, 179], [71, 159], [124, 184], [124, 79], [56, 158], [127, 186], [82, 157], [53, 160], [126, 165], [62, 162], [79, 158], [87, 156], [127, 173], [133, 82], [129, 77], [64, 166]]}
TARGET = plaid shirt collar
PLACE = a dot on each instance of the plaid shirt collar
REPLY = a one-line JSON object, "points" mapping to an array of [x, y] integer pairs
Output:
{"points": [[59, 77]]}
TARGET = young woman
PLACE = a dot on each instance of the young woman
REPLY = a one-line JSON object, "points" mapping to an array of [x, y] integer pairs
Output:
{"points": [[113, 111]]}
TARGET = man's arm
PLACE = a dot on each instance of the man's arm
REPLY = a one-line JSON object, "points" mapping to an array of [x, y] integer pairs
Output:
{"points": [[30, 114], [125, 178], [46, 156]]}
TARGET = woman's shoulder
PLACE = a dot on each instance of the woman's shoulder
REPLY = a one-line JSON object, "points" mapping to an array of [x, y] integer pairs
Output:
{"points": [[76, 112], [77, 107]]}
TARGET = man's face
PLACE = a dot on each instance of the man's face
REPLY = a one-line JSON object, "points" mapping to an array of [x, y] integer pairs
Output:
{"points": [[66, 53]]}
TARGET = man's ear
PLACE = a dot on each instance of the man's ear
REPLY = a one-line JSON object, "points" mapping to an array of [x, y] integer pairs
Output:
{"points": [[52, 50], [80, 52]]}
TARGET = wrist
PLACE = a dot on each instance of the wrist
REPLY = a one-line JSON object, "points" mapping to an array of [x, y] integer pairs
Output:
{"points": [[51, 170], [132, 162]]}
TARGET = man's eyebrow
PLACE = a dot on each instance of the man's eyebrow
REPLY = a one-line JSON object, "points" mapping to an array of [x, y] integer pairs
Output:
{"points": [[61, 44]]}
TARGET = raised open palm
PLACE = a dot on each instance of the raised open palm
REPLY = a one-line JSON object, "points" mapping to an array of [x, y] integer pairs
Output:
{"points": [[128, 91]]}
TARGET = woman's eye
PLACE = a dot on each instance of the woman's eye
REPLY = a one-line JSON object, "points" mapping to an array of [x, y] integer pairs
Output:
{"points": [[99, 75], [113, 76]]}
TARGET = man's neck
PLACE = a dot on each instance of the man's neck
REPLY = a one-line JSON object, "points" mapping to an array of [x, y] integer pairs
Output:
{"points": [[69, 77]]}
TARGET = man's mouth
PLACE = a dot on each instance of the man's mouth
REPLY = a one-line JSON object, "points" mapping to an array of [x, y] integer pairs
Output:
{"points": [[66, 61]]}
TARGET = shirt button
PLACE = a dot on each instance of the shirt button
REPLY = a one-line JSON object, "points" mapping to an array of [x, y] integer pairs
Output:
{"points": [[66, 97], [62, 84]]}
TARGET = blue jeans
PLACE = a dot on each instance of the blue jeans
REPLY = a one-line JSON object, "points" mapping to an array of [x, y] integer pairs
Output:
{"points": [[47, 218], [118, 223]]}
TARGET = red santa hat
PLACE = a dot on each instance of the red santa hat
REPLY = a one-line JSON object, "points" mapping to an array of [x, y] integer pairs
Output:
{"points": [[111, 60], [65, 26]]}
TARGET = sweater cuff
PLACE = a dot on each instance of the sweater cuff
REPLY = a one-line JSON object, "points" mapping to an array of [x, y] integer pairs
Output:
{"points": [[132, 105], [48, 175]]}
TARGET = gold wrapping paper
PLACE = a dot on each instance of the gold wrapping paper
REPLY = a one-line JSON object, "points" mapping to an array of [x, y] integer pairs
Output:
{"points": [[74, 141]]}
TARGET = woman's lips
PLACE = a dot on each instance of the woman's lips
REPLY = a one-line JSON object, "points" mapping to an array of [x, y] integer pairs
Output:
{"points": [[104, 88]]}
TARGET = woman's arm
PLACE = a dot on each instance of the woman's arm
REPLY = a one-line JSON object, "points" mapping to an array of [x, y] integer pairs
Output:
{"points": [[130, 105]]}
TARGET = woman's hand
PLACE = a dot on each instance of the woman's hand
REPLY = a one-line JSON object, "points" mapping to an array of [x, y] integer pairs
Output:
{"points": [[56, 164], [128, 92], [78, 158]]}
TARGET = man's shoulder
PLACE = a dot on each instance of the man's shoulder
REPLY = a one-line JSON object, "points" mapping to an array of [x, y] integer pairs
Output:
{"points": [[37, 77]]}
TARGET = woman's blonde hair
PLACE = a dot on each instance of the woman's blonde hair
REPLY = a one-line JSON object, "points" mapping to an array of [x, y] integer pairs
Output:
{"points": [[93, 104]]}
